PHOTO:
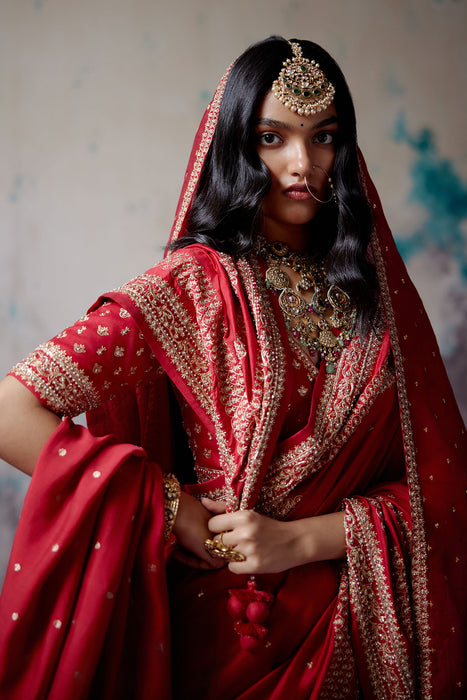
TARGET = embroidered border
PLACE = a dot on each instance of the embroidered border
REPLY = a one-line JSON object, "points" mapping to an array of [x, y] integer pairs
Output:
{"points": [[419, 556], [388, 663], [333, 428], [58, 380]]}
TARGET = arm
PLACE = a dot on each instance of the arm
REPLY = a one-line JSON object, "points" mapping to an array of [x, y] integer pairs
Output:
{"points": [[25, 425], [274, 545]]}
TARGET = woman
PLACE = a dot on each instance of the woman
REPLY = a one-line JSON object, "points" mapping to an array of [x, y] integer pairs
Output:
{"points": [[280, 363]]}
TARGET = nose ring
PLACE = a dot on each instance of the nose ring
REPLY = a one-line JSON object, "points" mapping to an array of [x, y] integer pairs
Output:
{"points": [[331, 185]]}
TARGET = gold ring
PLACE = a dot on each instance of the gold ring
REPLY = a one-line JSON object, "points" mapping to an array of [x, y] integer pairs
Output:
{"points": [[218, 550]]}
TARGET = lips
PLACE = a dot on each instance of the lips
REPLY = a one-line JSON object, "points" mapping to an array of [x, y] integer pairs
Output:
{"points": [[297, 192]]}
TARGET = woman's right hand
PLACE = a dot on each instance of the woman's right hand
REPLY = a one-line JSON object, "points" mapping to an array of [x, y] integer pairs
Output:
{"points": [[191, 530]]}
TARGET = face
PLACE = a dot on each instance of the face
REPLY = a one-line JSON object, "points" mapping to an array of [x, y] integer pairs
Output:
{"points": [[290, 145]]}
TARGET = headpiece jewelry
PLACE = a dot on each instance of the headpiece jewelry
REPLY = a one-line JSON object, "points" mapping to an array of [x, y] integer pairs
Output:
{"points": [[302, 85]]}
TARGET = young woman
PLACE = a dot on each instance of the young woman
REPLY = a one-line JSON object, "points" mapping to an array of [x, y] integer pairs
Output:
{"points": [[280, 366]]}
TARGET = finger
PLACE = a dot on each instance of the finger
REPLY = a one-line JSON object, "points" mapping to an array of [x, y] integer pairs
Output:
{"points": [[221, 523], [213, 506], [240, 567]]}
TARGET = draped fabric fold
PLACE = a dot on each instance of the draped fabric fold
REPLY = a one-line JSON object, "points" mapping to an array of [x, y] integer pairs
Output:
{"points": [[88, 547]]}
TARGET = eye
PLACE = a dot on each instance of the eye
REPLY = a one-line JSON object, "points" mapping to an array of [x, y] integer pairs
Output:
{"points": [[268, 139], [325, 137]]}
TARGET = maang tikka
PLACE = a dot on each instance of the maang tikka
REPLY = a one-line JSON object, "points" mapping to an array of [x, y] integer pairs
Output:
{"points": [[302, 86]]}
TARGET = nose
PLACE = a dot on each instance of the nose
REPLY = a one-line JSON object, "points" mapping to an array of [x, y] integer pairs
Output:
{"points": [[300, 162]]}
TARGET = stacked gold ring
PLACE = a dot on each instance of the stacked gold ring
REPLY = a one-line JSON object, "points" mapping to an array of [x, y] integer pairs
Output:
{"points": [[218, 550]]}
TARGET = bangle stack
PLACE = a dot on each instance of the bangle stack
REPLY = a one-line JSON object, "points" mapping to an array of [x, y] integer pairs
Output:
{"points": [[171, 488]]}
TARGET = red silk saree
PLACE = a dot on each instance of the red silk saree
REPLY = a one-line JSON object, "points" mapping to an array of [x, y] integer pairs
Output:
{"points": [[87, 608]]}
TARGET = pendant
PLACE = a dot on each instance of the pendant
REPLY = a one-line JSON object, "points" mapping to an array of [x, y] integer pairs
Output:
{"points": [[339, 300], [292, 304], [277, 278], [328, 339]]}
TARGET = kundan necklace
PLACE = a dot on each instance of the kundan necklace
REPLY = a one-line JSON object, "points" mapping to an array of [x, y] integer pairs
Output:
{"points": [[326, 324]]}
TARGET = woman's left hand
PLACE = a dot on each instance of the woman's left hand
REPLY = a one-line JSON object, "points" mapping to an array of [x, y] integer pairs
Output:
{"points": [[272, 545]]}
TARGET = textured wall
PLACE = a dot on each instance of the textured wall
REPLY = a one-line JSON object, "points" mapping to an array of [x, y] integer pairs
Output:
{"points": [[99, 104]]}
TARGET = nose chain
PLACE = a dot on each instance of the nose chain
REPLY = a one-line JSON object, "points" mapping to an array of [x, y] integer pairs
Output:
{"points": [[326, 324]]}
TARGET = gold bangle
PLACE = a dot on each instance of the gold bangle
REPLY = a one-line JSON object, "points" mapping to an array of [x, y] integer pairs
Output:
{"points": [[171, 488]]}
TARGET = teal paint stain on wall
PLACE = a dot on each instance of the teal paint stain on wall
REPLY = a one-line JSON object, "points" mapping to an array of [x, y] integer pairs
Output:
{"points": [[16, 189], [443, 194]]}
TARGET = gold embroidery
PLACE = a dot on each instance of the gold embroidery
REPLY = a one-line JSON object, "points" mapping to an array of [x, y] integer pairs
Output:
{"points": [[382, 625], [102, 330], [58, 379], [341, 674], [419, 551], [346, 399], [210, 126]]}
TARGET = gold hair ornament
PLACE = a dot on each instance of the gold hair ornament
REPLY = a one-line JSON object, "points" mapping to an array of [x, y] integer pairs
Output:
{"points": [[302, 85]]}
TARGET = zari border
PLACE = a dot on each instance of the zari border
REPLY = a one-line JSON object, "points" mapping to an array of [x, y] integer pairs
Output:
{"points": [[58, 380], [419, 556], [273, 375], [371, 597], [201, 152]]}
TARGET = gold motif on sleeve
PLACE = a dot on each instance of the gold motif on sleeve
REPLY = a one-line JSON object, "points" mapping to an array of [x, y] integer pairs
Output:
{"points": [[58, 379]]}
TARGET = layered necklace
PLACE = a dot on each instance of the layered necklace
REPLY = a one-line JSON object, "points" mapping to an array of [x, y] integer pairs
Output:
{"points": [[326, 324]]}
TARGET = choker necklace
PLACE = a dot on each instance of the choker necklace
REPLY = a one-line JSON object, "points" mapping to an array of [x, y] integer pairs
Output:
{"points": [[326, 324]]}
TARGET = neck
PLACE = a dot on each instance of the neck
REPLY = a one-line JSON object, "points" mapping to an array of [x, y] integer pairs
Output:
{"points": [[296, 237]]}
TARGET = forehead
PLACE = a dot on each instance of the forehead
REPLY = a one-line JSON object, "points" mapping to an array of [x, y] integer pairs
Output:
{"points": [[272, 109]]}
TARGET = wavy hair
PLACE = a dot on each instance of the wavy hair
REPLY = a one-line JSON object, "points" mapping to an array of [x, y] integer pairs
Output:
{"points": [[226, 211]]}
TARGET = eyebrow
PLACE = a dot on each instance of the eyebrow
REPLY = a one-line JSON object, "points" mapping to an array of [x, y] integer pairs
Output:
{"points": [[265, 121]]}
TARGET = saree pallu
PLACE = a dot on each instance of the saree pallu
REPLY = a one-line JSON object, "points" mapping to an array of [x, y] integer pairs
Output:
{"points": [[199, 309]]}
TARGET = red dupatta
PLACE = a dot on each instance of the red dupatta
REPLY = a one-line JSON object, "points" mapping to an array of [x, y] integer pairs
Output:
{"points": [[434, 443]]}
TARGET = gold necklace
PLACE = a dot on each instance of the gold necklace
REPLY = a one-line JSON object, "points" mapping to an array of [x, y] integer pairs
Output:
{"points": [[335, 326]]}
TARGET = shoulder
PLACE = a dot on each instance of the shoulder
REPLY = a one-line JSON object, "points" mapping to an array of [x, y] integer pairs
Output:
{"points": [[192, 258], [196, 264]]}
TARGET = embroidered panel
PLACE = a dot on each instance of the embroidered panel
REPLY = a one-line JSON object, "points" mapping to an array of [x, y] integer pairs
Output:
{"points": [[346, 399], [419, 545], [381, 618]]}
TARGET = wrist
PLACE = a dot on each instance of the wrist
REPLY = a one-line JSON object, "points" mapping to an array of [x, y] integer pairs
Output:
{"points": [[320, 538]]}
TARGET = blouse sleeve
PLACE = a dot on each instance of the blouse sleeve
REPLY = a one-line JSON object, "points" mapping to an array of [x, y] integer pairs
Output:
{"points": [[89, 362]]}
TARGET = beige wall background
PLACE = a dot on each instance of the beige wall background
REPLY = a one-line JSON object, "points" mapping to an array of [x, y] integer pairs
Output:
{"points": [[99, 104]]}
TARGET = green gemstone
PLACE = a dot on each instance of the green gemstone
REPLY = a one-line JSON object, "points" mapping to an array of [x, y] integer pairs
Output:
{"points": [[288, 85], [297, 91], [317, 91], [303, 68], [307, 93], [330, 368]]}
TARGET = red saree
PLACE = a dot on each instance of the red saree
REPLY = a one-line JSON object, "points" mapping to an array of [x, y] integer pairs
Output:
{"points": [[382, 438]]}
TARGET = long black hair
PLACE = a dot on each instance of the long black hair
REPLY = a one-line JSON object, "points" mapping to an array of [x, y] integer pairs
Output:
{"points": [[226, 210]]}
